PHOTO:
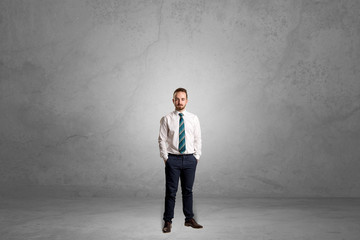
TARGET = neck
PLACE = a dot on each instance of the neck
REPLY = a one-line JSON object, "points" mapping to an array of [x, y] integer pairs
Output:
{"points": [[180, 110]]}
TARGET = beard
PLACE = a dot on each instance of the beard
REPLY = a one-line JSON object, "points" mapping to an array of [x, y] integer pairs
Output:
{"points": [[180, 107]]}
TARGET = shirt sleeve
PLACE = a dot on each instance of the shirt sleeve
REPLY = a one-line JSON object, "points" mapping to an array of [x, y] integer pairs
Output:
{"points": [[197, 139], [162, 138]]}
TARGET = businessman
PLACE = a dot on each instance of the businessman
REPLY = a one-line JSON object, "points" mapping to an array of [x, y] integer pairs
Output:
{"points": [[180, 148]]}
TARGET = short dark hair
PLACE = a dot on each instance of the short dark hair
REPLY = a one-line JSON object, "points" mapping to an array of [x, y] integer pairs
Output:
{"points": [[181, 90]]}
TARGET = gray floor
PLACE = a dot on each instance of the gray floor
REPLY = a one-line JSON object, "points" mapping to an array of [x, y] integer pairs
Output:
{"points": [[115, 218]]}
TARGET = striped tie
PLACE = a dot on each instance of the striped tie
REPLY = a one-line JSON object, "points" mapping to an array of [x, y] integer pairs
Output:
{"points": [[182, 145]]}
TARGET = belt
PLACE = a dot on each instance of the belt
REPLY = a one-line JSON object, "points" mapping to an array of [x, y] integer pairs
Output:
{"points": [[179, 155]]}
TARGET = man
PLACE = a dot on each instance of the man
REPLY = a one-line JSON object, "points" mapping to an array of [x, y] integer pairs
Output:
{"points": [[180, 148]]}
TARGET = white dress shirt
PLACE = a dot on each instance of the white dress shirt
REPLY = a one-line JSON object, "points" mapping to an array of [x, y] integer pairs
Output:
{"points": [[169, 134]]}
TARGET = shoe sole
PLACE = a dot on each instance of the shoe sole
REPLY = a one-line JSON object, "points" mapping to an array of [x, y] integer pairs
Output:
{"points": [[189, 225]]}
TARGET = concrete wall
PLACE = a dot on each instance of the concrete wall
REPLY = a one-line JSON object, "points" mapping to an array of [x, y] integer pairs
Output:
{"points": [[276, 85]]}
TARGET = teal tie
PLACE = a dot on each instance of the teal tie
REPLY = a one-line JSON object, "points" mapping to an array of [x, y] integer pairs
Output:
{"points": [[182, 145]]}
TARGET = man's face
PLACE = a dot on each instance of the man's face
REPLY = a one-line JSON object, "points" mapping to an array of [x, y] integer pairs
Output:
{"points": [[180, 101]]}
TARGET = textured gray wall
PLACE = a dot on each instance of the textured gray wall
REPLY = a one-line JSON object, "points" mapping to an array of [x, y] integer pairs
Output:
{"points": [[276, 85]]}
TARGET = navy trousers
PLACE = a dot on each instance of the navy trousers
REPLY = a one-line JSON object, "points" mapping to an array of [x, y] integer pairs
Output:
{"points": [[181, 167]]}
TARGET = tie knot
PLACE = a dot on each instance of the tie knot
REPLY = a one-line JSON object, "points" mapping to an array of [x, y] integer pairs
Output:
{"points": [[181, 114]]}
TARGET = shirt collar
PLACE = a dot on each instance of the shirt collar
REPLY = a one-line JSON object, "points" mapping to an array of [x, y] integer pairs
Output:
{"points": [[177, 112]]}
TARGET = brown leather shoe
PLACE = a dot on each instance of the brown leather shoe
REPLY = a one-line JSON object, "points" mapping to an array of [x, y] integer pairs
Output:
{"points": [[192, 223], [167, 227]]}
